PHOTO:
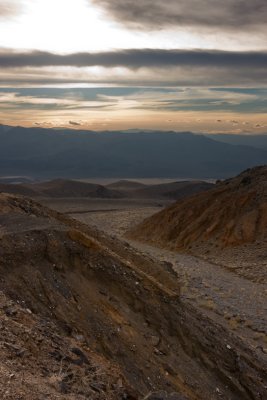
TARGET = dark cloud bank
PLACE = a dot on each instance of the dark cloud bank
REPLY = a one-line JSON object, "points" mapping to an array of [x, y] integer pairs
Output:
{"points": [[137, 59], [156, 14]]}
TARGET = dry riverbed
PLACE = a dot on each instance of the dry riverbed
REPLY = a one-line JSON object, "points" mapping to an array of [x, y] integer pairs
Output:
{"points": [[232, 300]]}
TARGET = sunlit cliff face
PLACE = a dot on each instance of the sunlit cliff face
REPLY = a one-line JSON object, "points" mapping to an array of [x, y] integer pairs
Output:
{"points": [[184, 65]]}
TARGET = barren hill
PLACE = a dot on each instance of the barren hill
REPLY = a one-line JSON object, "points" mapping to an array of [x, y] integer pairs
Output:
{"points": [[70, 188], [61, 188], [19, 189], [85, 316], [117, 190], [227, 224], [173, 190], [126, 185]]}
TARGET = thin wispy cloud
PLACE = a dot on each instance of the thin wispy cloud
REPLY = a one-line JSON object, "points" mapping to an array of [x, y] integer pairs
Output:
{"points": [[19, 100], [132, 98]]}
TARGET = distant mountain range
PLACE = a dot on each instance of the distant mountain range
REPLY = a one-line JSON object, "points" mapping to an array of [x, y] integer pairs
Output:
{"points": [[258, 141], [49, 153]]}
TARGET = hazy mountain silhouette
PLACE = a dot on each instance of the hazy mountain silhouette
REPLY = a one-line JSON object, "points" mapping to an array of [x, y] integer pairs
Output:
{"points": [[258, 141], [50, 153]]}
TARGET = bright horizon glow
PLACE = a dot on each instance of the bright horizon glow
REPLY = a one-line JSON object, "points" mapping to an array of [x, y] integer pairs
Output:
{"points": [[197, 122], [98, 109]]}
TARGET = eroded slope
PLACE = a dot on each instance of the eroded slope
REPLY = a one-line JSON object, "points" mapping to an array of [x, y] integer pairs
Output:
{"points": [[227, 224]]}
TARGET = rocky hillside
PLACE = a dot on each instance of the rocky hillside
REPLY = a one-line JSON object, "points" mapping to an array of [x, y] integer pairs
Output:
{"points": [[40, 361], [227, 224], [84, 316]]}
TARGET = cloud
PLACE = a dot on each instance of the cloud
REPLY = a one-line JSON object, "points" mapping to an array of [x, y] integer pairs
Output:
{"points": [[157, 14], [153, 108], [190, 99], [9, 8], [137, 58], [75, 123], [153, 77], [53, 100], [135, 68], [116, 99]]}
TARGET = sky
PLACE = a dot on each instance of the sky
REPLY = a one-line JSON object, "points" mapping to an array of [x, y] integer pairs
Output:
{"points": [[183, 65]]}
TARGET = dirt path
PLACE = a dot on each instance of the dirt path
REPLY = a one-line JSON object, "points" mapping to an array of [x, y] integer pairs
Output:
{"points": [[238, 303], [233, 301]]}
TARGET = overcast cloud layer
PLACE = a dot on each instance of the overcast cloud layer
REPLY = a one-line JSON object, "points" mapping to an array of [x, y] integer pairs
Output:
{"points": [[157, 14], [136, 59], [177, 64]]}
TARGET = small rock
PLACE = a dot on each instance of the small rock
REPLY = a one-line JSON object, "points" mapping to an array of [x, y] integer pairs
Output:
{"points": [[11, 312], [79, 338], [155, 340], [98, 387], [82, 357]]}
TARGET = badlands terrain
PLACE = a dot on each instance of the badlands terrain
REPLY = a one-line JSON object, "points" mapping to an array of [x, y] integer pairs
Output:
{"points": [[227, 225], [89, 313]]}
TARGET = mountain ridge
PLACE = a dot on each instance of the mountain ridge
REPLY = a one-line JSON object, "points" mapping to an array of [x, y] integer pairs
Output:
{"points": [[64, 188], [49, 153]]}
